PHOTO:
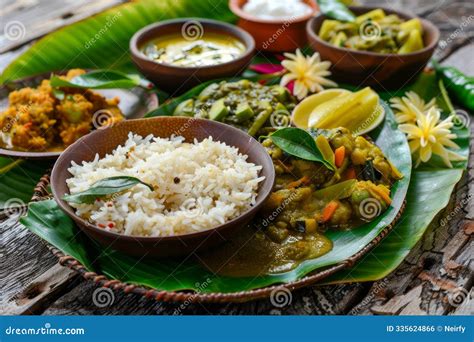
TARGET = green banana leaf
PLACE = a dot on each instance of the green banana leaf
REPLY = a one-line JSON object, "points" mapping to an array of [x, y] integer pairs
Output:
{"points": [[18, 179], [49, 222], [101, 41]]}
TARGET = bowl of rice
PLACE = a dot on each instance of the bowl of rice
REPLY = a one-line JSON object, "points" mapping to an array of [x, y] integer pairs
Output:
{"points": [[197, 182]]}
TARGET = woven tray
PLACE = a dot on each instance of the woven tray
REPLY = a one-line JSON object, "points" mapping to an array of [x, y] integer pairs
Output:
{"points": [[41, 193]]}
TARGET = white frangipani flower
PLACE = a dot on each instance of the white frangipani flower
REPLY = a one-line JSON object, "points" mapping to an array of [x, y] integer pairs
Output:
{"points": [[307, 72]]}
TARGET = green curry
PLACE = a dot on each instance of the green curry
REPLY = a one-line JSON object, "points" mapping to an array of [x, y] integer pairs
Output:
{"points": [[308, 199], [183, 51]]}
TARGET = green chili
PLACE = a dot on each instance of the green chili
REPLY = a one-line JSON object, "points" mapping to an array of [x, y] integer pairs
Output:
{"points": [[459, 86]]}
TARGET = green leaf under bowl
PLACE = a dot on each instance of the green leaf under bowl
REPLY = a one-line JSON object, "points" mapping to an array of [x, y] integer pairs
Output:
{"points": [[176, 275]]}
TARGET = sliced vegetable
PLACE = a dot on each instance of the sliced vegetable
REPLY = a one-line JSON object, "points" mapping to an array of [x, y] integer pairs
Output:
{"points": [[339, 155], [413, 43], [374, 15], [244, 111], [299, 143], [303, 110], [323, 145], [381, 191], [311, 225], [337, 191], [359, 112], [350, 173], [297, 183], [185, 108], [329, 211], [218, 110], [104, 187], [259, 121]]}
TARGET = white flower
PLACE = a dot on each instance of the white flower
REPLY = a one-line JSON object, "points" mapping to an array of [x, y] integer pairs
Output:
{"points": [[403, 111], [307, 72], [431, 136]]}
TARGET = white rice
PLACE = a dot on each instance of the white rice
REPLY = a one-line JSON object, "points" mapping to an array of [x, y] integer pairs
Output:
{"points": [[216, 184]]}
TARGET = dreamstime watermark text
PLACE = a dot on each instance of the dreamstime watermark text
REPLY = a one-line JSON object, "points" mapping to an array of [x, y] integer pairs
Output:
{"points": [[45, 330]]}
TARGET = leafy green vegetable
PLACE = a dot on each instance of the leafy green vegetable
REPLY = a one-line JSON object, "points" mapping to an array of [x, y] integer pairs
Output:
{"points": [[298, 143], [100, 79], [335, 9], [104, 187]]}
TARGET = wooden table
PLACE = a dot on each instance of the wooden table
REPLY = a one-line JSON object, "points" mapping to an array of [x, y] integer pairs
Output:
{"points": [[31, 281]]}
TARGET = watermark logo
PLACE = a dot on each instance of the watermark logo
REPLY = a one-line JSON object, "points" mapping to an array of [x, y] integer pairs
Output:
{"points": [[191, 208], [280, 119], [110, 20], [192, 30], [370, 30], [103, 297], [200, 287], [14, 30], [461, 119], [370, 208], [457, 296], [281, 297], [15, 207], [102, 119]]}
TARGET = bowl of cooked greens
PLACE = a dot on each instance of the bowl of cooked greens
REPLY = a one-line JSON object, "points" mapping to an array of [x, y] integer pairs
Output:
{"points": [[179, 54], [381, 47]]}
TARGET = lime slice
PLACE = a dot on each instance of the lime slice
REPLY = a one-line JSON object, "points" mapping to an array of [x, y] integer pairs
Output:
{"points": [[359, 112], [302, 111]]}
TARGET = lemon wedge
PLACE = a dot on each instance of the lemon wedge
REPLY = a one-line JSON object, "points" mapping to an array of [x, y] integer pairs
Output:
{"points": [[303, 110], [359, 112]]}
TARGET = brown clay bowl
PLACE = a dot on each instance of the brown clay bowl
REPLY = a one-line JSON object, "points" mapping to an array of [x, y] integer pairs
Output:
{"points": [[383, 71], [274, 35], [104, 141], [177, 79]]}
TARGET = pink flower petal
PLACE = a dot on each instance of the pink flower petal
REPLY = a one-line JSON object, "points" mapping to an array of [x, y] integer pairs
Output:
{"points": [[266, 68], [291, 86]]}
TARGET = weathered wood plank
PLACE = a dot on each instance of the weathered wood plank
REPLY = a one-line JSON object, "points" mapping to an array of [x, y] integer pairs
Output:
{"points": [[25, 20], [24, 257]]}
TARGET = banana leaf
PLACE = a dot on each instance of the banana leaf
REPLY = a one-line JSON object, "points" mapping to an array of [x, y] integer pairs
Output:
{"points": [[49, 222], [101, 41], [18, 179]]}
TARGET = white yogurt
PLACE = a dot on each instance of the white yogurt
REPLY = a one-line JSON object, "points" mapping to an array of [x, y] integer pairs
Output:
{"points": [[276, 9]]}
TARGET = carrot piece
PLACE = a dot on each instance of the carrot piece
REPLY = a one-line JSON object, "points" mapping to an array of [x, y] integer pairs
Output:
{"points": [[297, 183], [329, 211], [350, 174], [339, 155]]}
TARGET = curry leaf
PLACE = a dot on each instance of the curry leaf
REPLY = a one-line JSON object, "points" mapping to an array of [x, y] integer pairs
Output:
{"points": [[104, 187], [335, 9], [100, 79], [299, 143]]}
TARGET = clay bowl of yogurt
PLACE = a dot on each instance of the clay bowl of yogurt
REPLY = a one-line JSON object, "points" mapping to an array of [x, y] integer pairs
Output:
{"points": [[276, 25]]}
